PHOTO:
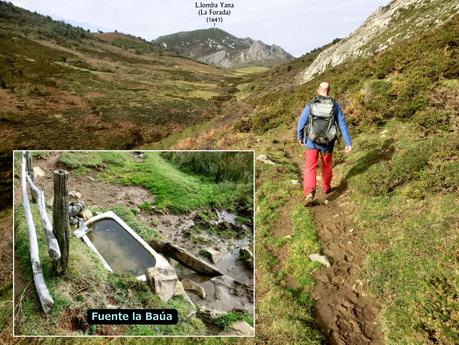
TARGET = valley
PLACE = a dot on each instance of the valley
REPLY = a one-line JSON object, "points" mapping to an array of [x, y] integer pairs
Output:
{"points": [[393, 277]]}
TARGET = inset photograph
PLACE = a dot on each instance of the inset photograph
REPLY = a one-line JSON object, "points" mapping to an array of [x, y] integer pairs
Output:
{"points": [[123, 232]]}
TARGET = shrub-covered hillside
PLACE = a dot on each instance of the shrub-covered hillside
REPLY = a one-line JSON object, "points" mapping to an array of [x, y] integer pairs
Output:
{"points": [[401, 106]]}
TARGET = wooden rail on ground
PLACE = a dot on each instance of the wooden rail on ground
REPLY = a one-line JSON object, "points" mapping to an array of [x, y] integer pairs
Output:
{"points": [[42, 290], [53, 245]]}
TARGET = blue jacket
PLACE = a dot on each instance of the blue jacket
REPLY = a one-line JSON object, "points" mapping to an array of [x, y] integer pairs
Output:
{"points": [[303, 121]]}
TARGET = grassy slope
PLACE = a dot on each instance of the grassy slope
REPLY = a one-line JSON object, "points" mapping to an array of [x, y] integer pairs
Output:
{"points": [[400, 105], [174, 189], [411, 231], [408, 90], [56, 78]]}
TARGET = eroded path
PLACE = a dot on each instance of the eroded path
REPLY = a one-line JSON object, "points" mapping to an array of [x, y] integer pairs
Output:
{"points": [[344, 310]]}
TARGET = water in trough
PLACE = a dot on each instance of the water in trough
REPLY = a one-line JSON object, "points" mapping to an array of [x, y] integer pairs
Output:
{"points": [[120, 250]]}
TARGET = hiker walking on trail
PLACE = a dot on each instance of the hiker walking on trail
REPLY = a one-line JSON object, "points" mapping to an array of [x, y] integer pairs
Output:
{"points": [[317, 132]]}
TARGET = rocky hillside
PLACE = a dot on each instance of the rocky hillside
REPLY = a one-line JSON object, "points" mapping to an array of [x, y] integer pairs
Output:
{"points": [[219, 48], [390, 24]]}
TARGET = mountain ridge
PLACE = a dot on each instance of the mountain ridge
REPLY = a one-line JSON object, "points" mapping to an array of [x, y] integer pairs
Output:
{"points": [[217, 47], [390, 24]]}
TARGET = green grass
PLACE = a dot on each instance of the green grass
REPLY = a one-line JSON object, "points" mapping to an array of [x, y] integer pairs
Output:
{"points": [[174, 190], [226, 320], [81, 161], [218, 166], [251, 70], [292, 305], [410, 231]]}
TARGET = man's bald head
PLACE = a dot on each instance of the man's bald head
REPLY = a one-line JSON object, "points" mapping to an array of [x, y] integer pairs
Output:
{"points": [[324, 89]]}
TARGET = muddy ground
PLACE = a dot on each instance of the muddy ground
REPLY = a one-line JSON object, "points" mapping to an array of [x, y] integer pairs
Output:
{"points": [[172, 227], [96, 193], [344, 310]]}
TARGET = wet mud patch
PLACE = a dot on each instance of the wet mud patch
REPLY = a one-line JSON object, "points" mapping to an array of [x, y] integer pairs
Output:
{"points": [[344, 310], [73, 320], [234, 291], [179, 229]]}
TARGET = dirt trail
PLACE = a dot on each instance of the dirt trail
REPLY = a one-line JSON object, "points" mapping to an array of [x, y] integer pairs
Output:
{"points": [[344, 311]]}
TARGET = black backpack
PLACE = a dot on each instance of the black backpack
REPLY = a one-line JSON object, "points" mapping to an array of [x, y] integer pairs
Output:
{"points": [[321, 127]]}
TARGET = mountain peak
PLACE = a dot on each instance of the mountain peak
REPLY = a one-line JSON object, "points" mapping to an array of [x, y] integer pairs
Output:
{"points": [[218, 47]]}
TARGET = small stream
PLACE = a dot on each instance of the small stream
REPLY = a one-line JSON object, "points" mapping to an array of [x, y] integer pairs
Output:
{"points": [[174, 228], [222, 293]]}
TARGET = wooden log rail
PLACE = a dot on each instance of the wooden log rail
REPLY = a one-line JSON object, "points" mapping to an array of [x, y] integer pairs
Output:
{"points": [[53, 246], [42, 290]]}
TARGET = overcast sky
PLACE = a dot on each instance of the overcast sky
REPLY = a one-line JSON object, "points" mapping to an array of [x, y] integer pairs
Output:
{"points": [[296, 25]]}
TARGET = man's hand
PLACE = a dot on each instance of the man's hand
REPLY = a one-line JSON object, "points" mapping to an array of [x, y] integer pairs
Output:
{"points": [[300, 142], [348, 149]]}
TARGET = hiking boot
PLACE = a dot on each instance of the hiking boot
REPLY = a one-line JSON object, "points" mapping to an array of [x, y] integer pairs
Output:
{"points": [[329, 195], [309, 199]]}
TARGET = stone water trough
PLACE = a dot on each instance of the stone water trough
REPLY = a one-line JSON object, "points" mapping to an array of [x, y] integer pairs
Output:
{"points": [[120, 249]]}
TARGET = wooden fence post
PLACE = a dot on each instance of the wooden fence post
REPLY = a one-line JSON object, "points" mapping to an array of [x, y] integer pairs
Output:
{"points": [[29, 168], [61, 227]]}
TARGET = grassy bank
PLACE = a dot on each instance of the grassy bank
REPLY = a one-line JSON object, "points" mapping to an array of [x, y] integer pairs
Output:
{"points": [[284, 238], [175, 190], [406, 197]]}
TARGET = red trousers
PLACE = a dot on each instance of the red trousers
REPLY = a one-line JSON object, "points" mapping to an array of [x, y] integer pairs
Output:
{"points": [[310, 168]]}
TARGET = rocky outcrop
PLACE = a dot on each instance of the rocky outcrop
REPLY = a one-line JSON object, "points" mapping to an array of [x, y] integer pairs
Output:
{"points": [[226, 294], [398, 20], [265, 159], [180, 292], [212, 254], [208, 314], [219, 48], [38, 172], [222, 58], [246, 256], [321, 259]]}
